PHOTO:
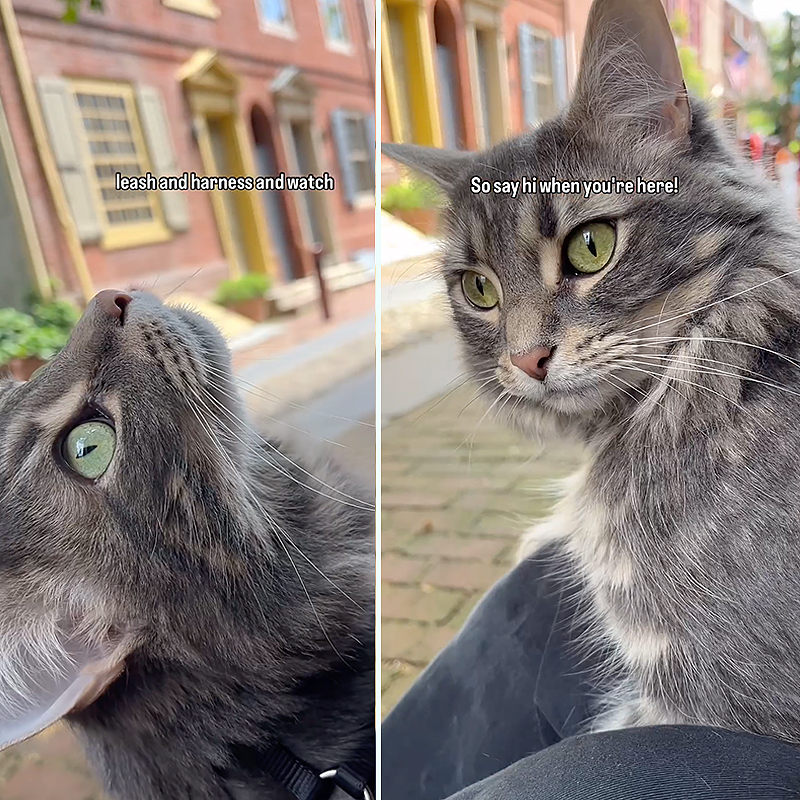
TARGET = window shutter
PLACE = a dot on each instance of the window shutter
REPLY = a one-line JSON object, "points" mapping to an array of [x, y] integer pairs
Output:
{"points": [[529, 98], [339, 128], [162, 155], [65, 130], [369, 128], [559, 73]]}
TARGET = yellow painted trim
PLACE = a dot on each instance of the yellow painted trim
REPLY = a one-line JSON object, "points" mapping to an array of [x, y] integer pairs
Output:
{"points": [[399, 125], [220, 211], [119, 236], [428, 98], [425, 125], [44, 287], [211, 89], [202, 62], [201, 8], [255, 225], [44, 149], [122, 237]]}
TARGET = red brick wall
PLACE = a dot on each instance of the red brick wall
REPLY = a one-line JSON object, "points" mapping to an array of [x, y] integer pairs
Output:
{"points": [[144, 42]]}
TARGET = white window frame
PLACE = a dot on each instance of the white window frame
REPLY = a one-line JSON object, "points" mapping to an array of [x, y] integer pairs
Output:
{"points": [[286, 30], [337, 45]]}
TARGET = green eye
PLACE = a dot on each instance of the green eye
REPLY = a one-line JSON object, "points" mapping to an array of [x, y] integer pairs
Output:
{"points": [[479, 290], [89, 448], [590, 247]]}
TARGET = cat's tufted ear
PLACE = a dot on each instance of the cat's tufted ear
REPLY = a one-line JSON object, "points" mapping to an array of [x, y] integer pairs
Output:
{"points": [[630, 70], [44, 681], [444, 167]]}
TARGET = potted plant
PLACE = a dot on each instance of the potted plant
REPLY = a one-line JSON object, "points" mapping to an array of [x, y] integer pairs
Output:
{"points": [[14, 327], [416, 202], [28, 341], [245, 295]]}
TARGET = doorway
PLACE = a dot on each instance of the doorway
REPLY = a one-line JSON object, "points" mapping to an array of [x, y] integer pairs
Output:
{"points": [[274, 201], [302, 145], [225, 150], [444, 27]]}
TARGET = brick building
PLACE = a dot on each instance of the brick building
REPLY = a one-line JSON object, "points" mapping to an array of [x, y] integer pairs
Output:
{"points": [[466, 73], [246, 87]]}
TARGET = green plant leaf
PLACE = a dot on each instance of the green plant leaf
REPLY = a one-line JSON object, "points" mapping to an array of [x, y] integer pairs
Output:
{"points": [[410, 194], [250, 285]]}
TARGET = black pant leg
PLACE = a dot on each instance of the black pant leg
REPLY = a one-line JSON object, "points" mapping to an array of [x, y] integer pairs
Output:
{"points": [[659, 763], [511, 683]]}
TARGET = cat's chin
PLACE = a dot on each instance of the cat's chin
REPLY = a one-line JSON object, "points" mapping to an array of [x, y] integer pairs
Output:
{"points": [[568, 399], [552, 414]]}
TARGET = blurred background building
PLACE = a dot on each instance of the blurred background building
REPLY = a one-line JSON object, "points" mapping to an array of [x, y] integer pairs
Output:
{"points": [[243, 87], [467, 73]]}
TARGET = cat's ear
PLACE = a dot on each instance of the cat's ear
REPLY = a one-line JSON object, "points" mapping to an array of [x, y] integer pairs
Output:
{"points": [[444, 167], [48, 680], [630, 68]]}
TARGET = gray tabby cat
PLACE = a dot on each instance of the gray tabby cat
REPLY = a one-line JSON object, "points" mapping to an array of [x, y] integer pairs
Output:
{"points": [[185, 593], [663, 331]]}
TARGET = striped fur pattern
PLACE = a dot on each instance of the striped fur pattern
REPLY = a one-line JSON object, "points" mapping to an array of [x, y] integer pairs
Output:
{"points": [[678, 368], [238, 570]]}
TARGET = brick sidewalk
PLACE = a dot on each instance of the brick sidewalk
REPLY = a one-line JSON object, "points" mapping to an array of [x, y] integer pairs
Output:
{"points": [[451, 519]]}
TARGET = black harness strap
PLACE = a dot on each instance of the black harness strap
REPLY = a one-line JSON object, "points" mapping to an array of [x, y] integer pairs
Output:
{"points": [[305, 783]]}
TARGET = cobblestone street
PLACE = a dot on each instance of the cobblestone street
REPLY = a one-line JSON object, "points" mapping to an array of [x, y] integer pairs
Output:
{"points": [[458, 490]]}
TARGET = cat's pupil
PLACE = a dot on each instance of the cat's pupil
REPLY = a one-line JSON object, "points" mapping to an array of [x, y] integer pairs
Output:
{"points": [[588, 240], [479, 283], [84, 450]]}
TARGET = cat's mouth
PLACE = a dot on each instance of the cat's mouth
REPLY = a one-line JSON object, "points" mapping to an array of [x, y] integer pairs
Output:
{"points": [[563, 393]]}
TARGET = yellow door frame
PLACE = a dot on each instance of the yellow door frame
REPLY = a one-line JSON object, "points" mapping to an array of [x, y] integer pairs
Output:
{"points": [[44, 149], [425, 127], [212, 91], [399, 125]]}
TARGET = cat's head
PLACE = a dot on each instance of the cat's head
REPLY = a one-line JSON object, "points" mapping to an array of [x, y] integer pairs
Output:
{"points": [[565, 301], [122, 513]]}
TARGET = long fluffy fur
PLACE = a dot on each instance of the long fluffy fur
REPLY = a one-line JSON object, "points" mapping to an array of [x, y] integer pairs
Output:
{"points": [[678, 368], [237, 570]]}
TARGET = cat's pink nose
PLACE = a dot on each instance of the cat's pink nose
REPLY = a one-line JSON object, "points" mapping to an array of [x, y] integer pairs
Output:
{"points": [[112, 302], [534, 362]]}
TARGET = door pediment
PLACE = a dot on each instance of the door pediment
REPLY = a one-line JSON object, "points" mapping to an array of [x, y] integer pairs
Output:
{"points": [[293, 93], [205, 70]]}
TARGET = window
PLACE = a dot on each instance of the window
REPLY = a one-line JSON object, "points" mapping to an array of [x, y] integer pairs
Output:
{"points": [[354, 135], [115, 144], [370, 12], [202, 8], [360, 154], [275, 16], [333, 23], [542, 74]]}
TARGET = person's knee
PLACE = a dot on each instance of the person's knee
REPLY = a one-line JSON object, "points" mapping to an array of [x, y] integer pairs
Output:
{"points": [[692, 763]]}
